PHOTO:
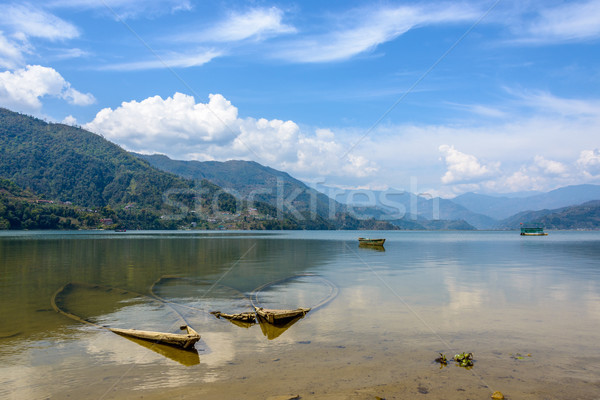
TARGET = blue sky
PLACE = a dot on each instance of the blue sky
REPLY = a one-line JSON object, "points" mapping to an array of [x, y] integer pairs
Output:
{"points": [[485, 96]]}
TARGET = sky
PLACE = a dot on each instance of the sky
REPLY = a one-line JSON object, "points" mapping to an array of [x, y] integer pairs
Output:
{"points": [[443, 97]]}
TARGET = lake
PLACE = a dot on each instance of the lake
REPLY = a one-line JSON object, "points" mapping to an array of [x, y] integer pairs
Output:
{"points": [[528, 308]]}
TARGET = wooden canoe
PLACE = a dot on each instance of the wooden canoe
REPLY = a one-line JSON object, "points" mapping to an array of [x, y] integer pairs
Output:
{"points": [[243, 316], [280, 316], [184, 341], [371, 242]]}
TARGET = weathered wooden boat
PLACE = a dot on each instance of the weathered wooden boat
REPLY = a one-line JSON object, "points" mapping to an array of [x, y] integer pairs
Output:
{"points": [[371, 242], [248, 316], [280, 316], [184, 341], [532, 231]]}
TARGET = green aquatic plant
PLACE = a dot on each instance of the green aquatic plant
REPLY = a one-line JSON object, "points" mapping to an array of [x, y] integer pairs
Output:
{"points": [[464, 359], [442, 359]]}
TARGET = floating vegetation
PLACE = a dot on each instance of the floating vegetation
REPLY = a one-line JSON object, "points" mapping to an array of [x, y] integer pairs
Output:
{"points": [[519, 356], [442, 359], [464, 359]]}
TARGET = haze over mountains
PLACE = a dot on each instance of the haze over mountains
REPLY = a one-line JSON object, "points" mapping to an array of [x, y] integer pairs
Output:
{"points": [[61, 163]]}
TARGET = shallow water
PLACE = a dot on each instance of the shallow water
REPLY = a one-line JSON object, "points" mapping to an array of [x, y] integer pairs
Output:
{"points": [[527, 307]]}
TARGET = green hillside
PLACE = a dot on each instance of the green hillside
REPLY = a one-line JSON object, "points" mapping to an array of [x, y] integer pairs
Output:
{"points": [[584, 216], [253, 182], [65, 163], [56, 176]]}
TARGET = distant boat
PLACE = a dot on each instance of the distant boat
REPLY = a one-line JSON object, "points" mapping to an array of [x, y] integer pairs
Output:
{"points": [[371, 242], [120, 230], [280, 316], [532, 231]]}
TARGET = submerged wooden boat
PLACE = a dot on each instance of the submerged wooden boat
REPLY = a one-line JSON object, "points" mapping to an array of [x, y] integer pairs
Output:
{"points": [[280, 316], [243, 316], [184, 341], [371, 242]]}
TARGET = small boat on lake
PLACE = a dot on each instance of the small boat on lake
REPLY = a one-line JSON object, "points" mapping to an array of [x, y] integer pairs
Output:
{"points": [[371, 242], [280, 316], [184, 341], [532, 231]]}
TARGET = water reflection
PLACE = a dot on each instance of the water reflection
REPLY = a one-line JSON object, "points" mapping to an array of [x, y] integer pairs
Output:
{"points": [[274, 330], [487, 289], [187, 357]]}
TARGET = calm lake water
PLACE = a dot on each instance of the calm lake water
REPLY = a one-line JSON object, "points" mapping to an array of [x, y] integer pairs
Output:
{"points": [[527, 307]]}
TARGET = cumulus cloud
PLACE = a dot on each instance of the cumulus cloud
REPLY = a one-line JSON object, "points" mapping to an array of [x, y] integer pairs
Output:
{"points": [[464, 168], [362, 30], [22, 89], [589, 162], [524, 153], [70, 120], [183, 129], [550, 167]]}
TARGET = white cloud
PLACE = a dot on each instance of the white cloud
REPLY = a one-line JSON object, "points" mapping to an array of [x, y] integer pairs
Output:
{"points": [[523, 153], [464, 168], [183, 129], [549, 167], [11, 53], [194, 59], [35, 22], [482, 110], [256, 23], [125, 9], [22, 89], [368, 29], [20, 23], [549, 103], [69, 120], [575, 20], [589, 162]]}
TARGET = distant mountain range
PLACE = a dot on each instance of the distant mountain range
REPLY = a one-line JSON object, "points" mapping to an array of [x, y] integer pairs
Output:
{"points": [[503, 207], [62, 177]]}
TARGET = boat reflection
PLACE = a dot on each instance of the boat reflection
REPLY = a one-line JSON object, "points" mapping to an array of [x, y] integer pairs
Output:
{"points": [[186, 357], [273, 331], [371, 247]]}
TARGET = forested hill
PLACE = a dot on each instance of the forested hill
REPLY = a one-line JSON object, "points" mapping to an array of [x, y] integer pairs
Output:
{"points": [[69, 164], [584, 216], [251, 181], [56, 176]]}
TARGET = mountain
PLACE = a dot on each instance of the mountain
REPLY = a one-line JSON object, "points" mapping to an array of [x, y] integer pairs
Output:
{"points": [[402, 206], [252, 181], [67, 170], [65, 163], [504, 207], [583, 216]]}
